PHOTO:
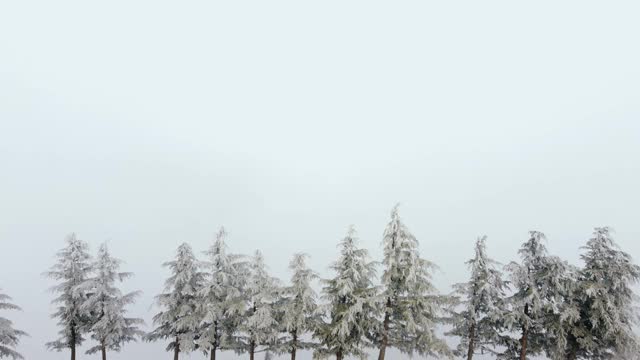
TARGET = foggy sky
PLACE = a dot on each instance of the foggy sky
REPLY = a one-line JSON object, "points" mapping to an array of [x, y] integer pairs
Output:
{"points": [[151, 123]]}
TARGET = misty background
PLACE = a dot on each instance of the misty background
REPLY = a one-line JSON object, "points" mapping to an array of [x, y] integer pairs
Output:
{"points": [[151, 123]]}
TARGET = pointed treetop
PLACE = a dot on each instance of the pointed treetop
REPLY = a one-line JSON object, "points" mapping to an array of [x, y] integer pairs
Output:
{"points": [[298, 261], [534, 246], [481, 246], [394, 211], [106, 303], [71, 270], [609, 277], [222, 234]]}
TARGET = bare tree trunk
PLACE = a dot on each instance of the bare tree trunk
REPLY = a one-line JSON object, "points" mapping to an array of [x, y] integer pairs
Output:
{"points": [[294, 346], [339, 355], [103, 346], [216, 342], [472, 329], [73, 341], [525, 335], [472, 339], [385, 332], [572, 343], [252, 345], [176, 349], [523, 344]]}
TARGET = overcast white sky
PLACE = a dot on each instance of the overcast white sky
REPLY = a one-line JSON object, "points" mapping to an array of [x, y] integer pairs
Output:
{"points": [[150, 123]]}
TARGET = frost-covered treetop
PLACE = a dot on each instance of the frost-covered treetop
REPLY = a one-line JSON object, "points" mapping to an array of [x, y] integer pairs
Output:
{"points": [[186, 276], [261, 287], [540, 307], [400, 251], [110, 327], [217, 253], [486, 284], [179, 318], [410, 300], [221, 294], [71, 270], [350, 295], [526, 277], [353, 266], [302, 275], [533, 250], [300, 305], [604, 261], [479, 323], [224, 269], [261, 292], [541, 276], [404, 270], [608, 278], [73, 264], [106, 274], [485, 287]]}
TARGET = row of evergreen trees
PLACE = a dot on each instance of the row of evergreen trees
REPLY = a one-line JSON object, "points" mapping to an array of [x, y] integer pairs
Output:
{"points": [[542, 306]]}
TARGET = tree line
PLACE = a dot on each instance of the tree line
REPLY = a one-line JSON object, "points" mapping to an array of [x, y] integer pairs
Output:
{"points": [[537, 306]]}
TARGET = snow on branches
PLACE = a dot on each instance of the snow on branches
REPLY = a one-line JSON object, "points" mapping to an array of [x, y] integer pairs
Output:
{"points": [[9, 336]]}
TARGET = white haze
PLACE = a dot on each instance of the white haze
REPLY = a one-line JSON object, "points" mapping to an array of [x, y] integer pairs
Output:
{"points": [[150, 123]]}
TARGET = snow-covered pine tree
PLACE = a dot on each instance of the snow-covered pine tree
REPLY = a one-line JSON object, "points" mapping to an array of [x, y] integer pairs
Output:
{"points": [[537, 309], [411, 304], [110, 326], [562, 307], [9, 336], [179, 319], [351, 298], [221, 297], [478, 323], [259, 330], [299, 309], [608, 310], [71, 270]]}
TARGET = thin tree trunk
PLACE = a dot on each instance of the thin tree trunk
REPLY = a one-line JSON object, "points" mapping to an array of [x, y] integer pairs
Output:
{"points": [[525, 335], [213, 353], [572, 344], [214, 346], [472, 329], [523, 344], [472, 338], [103, 347], [176, 349], [252, 345], [294, 346], [73, 341], [385, 332], [339, 355]]}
